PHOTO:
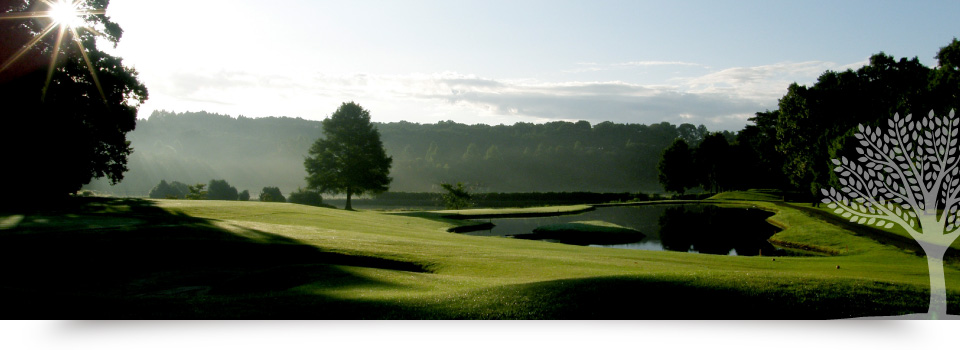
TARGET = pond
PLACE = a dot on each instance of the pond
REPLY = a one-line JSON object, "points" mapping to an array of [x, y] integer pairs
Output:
{"points": [[707, 229]]}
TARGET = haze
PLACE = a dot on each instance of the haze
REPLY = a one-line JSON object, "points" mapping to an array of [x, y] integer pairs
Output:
{"points": [[498, 62]]}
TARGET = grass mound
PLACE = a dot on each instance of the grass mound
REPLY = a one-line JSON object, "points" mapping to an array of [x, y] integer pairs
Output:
{"points": [[585, 233], [749, 195]]}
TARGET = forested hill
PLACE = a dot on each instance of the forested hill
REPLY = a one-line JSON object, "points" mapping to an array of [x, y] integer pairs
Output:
{"points": [[251, 153]]}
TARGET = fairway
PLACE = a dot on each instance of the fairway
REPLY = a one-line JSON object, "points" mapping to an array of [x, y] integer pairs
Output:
{"points": [[180, 259]]}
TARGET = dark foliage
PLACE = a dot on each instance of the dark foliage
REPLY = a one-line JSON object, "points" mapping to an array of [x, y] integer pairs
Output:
{"points": [[221, 190], [676, 170], [272, 194], [60, 135], [172, 190], [306, 197], [244, 196], [455, 196]]}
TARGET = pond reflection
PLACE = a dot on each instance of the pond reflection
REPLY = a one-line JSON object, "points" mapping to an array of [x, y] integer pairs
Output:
{"points": [[704, 229], [716, 230]]}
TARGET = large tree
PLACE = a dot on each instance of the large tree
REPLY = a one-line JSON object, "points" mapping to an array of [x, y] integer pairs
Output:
{"points": [[67, 106], [675, 169], [350, 158], [712, 163]]}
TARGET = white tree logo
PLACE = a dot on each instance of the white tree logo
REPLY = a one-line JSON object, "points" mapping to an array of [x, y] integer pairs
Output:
{"points": [[906, 175]]}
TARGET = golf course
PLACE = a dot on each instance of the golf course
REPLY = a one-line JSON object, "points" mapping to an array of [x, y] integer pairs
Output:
{"points": [[127, 258]]}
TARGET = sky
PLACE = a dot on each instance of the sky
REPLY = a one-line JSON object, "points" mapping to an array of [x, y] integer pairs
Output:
{"points": [[500, 62]]}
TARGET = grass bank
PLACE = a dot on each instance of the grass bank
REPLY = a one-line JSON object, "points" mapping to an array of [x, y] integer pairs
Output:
{"points": [[109, 258]]}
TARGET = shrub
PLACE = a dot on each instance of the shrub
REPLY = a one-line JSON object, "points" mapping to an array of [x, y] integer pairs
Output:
{"points": [[272, 194], [306, 197]]}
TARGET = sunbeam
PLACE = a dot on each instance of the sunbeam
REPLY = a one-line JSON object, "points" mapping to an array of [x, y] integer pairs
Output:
{"points": [[65, 15]]}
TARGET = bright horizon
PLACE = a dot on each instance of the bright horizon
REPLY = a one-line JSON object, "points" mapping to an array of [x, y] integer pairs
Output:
{"points": [[498, 62]]}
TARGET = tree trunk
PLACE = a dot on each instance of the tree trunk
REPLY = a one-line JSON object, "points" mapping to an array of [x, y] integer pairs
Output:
{"points": [[348, 207], [938, 287], [938, 283]]}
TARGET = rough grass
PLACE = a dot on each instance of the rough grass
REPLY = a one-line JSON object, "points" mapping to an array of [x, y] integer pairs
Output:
{"points": [[214, 259]]}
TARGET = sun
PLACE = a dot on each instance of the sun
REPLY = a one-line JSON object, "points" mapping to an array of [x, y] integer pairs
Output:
{"points": [[66, 12], [66, 17]]}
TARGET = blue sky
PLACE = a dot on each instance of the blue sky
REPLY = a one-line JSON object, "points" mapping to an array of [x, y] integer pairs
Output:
{"points": [[492, 62]]}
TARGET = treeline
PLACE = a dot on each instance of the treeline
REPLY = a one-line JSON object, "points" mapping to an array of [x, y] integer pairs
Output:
{"points": [[791, 147], [194, 147], [221, 190]]}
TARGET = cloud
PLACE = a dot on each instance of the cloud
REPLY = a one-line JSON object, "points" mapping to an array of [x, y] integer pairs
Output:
{"points": [[722, 99], [602, 101], [596, 67], [760, 83]]}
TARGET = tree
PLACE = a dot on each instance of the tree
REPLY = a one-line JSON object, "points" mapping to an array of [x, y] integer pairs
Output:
{"points": [[675, 169], [272, 194], [243, 196], [456, 197], [174, 189], [711, 163], [909, 176], [70, 104], [197, 192], [350, 158], [813, 123], [221, 190], [162, 190]]}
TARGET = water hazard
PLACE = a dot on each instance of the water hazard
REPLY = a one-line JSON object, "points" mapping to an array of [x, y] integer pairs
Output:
{"points": [[704, 229]]}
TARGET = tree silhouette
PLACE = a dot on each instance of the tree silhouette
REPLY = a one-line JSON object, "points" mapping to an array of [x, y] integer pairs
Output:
{"points": [[66, 105], [221, 190], [907, 176], [350, 158], [676, 171], [272, 194]]}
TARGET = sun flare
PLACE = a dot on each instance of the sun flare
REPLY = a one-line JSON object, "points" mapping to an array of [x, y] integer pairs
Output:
{"points": [[66, 12], [67, 16]]}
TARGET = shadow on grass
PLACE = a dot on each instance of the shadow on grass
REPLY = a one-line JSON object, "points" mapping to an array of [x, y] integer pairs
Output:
{"points": [[645, 298], [126, 258], [952, 255]]}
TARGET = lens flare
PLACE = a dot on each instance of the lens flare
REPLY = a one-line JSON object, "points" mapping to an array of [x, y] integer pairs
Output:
{"points": [[66, 13], [66, 16]]}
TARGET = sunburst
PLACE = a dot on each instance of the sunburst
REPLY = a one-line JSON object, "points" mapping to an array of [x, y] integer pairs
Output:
{"points": [[65, 16]]}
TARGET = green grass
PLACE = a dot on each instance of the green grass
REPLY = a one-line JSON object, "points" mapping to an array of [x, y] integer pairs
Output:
{"points": [[217, 259], [749, 195]]}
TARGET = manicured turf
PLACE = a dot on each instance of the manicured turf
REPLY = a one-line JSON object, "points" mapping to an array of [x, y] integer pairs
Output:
{"points": [[215, 259]]}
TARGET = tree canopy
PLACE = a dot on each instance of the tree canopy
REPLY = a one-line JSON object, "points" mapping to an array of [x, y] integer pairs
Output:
{"points": [[68, 105], [676, 171], [350, 158]]}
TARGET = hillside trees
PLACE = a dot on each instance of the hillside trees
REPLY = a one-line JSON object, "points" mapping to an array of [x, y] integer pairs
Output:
{"points": [[607, 157], [350, 158], [70, 103]]}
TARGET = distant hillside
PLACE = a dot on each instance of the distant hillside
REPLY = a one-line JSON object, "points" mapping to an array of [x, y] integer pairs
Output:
{"points": [[251, 153]]}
